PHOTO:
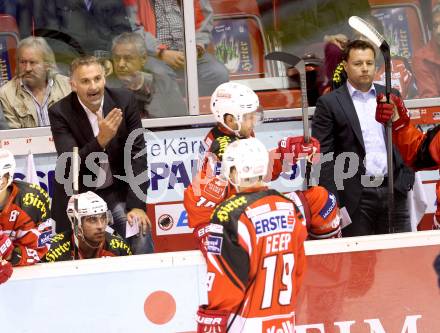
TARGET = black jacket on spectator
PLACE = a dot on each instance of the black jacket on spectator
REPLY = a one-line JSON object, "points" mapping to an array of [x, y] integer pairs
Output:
{"points": [[158, 97], [345, 135], [71, 127], [93, 29]]}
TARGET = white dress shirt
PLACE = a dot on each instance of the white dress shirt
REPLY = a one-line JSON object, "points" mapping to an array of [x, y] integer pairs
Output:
{"points": [[105, 173], [373, 133], [93, 116]]}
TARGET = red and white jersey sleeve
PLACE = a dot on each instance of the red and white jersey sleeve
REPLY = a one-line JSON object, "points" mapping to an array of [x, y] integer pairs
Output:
{"points": [[207, 189], [25, 219], [255, 259], [320, 208], [408, 141]]}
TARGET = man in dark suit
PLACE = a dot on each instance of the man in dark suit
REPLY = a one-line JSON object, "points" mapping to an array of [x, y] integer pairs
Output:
{"points": [[344, 123], [100, 120]]}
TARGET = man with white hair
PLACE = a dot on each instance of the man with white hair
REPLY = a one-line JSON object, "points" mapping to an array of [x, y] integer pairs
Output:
{"points": [[36, 86], [25, 224]]}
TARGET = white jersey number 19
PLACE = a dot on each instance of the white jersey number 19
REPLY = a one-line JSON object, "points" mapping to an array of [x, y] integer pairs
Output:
{"points": [[269, 264]]}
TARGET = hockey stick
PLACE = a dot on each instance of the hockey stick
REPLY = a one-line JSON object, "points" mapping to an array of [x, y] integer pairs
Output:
{"points": [[298, 63], [75, 171], [377, 39]]}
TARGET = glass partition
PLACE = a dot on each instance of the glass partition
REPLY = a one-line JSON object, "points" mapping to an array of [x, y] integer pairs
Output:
{"points": [[316, 31]]}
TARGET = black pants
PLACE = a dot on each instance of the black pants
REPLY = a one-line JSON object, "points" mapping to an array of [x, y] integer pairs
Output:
{"points": [[371, 216]]}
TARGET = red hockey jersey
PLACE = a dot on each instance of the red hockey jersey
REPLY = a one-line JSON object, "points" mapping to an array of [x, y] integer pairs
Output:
{"points": [[256, 261], [25, 218], [207, 190]]}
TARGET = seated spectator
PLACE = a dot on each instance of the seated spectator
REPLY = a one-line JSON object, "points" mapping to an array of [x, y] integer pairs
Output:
{"points": [[25, 224], [88, 237], [3, 123], [426, 61], [37, 86], [169, 33], [158, 94]]}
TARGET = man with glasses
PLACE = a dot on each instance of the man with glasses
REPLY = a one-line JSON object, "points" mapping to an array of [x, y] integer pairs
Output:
{"points": [[158, 94], [88, 237]]}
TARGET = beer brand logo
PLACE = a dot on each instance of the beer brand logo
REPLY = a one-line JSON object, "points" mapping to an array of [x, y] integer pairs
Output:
{"points": [[225, 209], [165, 222]]}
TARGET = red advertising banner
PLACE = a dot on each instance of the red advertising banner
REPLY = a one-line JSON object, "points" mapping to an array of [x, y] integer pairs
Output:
{"points": [[379, 291]]}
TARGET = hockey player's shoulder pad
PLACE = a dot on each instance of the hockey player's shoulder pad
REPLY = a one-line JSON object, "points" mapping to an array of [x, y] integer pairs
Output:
{"points": [[60, 248], [324, 211], [117, 245], [220, 144], [33, 200], [230, 209]]}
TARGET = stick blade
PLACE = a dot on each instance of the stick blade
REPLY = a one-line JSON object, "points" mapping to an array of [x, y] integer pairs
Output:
{"points": [[366, 29], [287, 58]]}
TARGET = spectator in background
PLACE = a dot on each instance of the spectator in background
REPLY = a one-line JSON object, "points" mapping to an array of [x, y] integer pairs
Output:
{"points": [[333, 50], [344, 122], [22, 11], [158, 95], [97, 119], [169, 45], [36, 86], [426, 61], [3, 123], [91, 23], [88, 237]]}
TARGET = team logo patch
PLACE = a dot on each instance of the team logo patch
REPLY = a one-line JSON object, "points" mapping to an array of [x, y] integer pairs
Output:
{"points": [[329, 206], [216, 188], [214, 245], [44, 238], [165, 222]]}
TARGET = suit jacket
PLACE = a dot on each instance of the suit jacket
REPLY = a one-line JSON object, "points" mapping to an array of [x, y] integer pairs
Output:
{"points": [[336, 125], [71, 127]]}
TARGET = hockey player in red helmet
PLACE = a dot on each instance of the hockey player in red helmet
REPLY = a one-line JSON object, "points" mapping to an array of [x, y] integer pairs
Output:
{"points": [[254, 250], [88, 237], [25, 224]]}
